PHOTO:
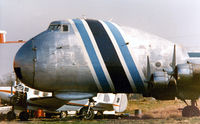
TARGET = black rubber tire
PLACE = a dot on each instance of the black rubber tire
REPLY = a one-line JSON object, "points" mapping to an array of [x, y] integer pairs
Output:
{"points": [[63, 114], [190, 111], [24, 116], [11, 115], [84, 115]]}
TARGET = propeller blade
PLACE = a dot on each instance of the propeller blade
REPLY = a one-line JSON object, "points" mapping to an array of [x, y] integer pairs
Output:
{"points": [[148, 69], [173, 65]]}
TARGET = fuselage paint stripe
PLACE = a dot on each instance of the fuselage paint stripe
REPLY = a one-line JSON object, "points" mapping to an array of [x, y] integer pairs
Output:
{"points": [[111, 59], [120, 56], [99, 55], [7, 91], [92, 54], [127, 57], [86, 56]]}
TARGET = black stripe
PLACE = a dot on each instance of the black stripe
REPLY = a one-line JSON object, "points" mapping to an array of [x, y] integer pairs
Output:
{"points": [[110, 57]]}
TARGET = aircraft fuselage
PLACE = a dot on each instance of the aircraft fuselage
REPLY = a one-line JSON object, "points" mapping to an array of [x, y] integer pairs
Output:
{"points": [[87, 56]]}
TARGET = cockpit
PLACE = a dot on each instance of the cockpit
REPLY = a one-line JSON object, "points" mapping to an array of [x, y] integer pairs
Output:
{"points": [[59, 26]]}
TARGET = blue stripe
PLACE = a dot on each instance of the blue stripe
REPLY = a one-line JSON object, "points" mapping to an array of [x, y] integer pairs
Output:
{"points": [[110, 57], [92, 54], [127, 57]]}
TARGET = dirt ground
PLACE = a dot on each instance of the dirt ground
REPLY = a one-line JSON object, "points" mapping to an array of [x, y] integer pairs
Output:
{"points": [[152, 108], [153, 112]]}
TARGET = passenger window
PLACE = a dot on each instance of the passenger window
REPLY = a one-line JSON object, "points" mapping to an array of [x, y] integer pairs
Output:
{"points": [[45, 94], [65, 28], [118, 100], [26, 89], [36, 92]]}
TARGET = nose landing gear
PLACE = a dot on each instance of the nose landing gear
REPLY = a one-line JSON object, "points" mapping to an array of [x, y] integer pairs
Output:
{"points": [[18, 99]]}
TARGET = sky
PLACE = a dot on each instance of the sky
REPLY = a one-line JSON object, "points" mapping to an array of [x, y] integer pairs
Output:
{"points": [[174, 20]]}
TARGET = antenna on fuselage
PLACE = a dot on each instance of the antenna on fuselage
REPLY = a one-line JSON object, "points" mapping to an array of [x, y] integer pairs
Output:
{"points": [[84, 17]]}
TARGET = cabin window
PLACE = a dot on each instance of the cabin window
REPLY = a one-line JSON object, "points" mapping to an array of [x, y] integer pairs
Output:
{"points": [[118, 100], [45, 94], [65, 28], [26, 89], [106, 98], [36, 92]]}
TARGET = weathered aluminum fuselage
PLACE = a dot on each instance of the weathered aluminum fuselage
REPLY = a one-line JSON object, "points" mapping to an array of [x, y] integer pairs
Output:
{"points": [[54, 60], [89, 56]]}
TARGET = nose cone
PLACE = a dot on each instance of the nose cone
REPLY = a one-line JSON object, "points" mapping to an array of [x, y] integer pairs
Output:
{"points": [[23, 64]]}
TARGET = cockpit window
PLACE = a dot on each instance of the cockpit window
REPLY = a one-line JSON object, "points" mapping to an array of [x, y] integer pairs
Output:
{"points": [[54, 27], [65, 27]]}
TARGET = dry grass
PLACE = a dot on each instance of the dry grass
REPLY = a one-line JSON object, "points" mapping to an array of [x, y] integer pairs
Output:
{"points": [[154, 112], [156, 108], [194, 120]]}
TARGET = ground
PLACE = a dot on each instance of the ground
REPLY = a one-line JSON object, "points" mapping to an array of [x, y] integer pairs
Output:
{"points": [[155, 108], [153, 112]]}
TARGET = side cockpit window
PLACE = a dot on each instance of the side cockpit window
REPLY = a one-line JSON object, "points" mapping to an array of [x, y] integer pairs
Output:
{"points": [[65, 28], [54, 27]]}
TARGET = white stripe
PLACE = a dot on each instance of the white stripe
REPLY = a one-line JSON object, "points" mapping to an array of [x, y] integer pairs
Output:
{"points": [[99, 55], [120, 56], [133, 56], [86, 56]]}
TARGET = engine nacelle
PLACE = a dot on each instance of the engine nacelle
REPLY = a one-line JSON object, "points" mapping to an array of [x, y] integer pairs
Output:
{"points": [[160, 79], [188, 79], [188, 72], [162, 86]]}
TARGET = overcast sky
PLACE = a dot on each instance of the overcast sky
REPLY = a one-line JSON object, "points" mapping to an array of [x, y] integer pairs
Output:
{"points": [[175, 20]]}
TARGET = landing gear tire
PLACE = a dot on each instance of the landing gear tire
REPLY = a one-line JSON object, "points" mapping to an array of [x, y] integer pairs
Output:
{"points": [[24, 116], [87, 114], [63, 114], [11, 115], [190, 111]]}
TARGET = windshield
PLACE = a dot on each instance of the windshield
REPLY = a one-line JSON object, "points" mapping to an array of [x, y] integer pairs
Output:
{"points": [[58, 27], [54, 27]]}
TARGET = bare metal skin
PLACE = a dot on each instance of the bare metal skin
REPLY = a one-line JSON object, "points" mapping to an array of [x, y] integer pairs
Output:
{"points": [[59, 64], [92, 56]]}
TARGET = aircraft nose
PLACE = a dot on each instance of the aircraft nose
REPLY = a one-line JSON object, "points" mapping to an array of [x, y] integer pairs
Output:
{"points": [[23, 64]]}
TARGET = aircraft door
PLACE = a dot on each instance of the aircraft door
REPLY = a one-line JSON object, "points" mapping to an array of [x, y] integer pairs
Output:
{"points": [[121, 102]]}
